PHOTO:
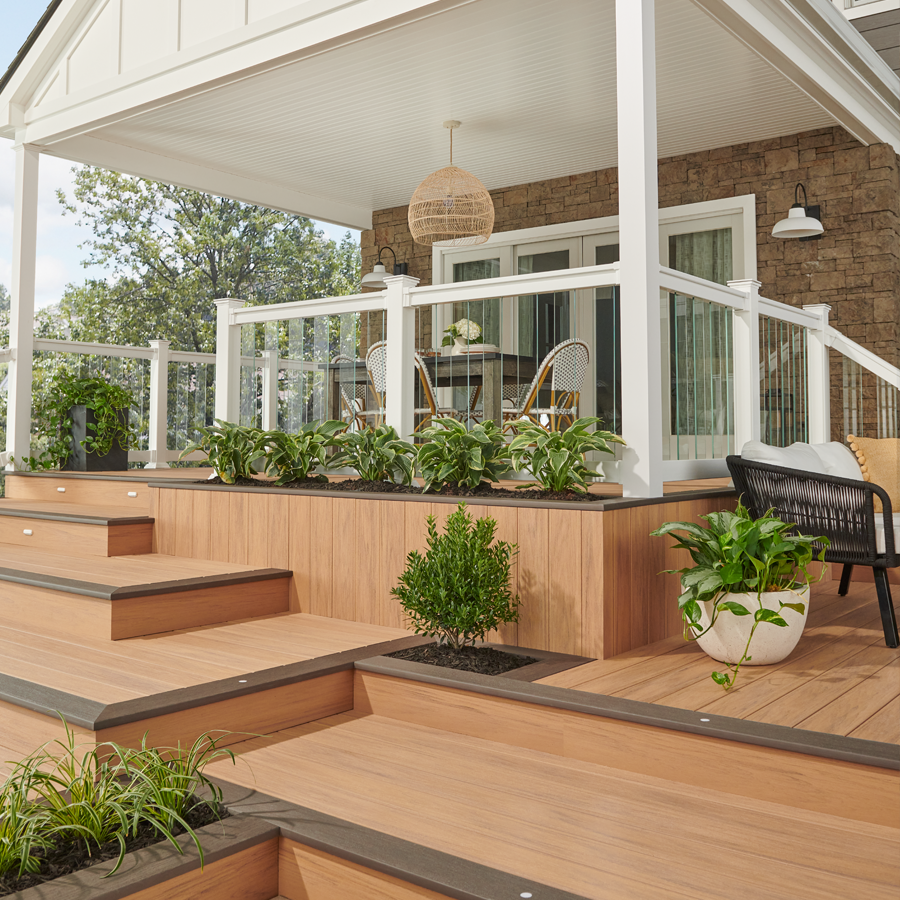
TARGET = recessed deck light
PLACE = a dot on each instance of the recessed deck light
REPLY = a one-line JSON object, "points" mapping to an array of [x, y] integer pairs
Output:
{"points": [[704, 720], [242, 681]]}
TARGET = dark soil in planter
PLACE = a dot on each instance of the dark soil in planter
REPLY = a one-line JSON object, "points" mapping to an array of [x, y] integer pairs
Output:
{"points": [[65, 858], [482, 660], [484, 490]]}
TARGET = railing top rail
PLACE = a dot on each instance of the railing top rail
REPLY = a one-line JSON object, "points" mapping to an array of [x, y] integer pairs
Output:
{"points": [[774, 309], [516, 285], [187, 356], [865, 358], [700, 289], [91, 349], [306, 309]]}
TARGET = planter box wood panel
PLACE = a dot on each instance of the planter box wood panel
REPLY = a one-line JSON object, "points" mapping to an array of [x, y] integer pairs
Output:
{"points": [[866, 794], [305, 873], [587, 577]]}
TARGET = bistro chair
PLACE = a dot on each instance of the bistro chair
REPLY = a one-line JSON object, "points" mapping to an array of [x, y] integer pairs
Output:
{"points": [[376, 366], [568, 361], [432, 410], [354, 397]]}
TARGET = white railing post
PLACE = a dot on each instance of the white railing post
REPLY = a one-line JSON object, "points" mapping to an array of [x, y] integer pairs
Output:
{"points": [[159, 405], [269, 390], [641, 468], [21, 320], [819, 376], [400, 335], [228, 361], [746, 365]]}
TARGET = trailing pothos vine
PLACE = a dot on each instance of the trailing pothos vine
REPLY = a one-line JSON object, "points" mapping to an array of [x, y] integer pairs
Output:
{"points": [[54, 424]]}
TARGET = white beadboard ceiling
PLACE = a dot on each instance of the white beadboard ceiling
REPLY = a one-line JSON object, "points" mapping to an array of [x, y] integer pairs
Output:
{"points": [[532, 82]]}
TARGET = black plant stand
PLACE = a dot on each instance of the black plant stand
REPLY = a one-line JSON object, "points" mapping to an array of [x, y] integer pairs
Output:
{"points": [[80, 459]]}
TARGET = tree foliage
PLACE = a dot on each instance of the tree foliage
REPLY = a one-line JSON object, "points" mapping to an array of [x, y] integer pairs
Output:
{"points": [[171, 252]]}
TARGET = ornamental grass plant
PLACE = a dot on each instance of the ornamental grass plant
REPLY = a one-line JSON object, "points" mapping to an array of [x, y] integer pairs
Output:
{"points": [[70, 804]]}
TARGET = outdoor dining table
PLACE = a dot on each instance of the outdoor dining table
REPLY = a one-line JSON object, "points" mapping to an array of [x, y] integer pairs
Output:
{"points": [[490, 371]]}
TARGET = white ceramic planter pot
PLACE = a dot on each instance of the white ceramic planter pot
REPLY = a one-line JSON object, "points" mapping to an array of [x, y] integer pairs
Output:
{"points": [[727, 639]]}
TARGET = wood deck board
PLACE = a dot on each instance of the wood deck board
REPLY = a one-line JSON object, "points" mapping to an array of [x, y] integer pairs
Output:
{"points": [[838, 678], [109, 671], [597, 832], [884, 725], [63, 507], [117, 571]]}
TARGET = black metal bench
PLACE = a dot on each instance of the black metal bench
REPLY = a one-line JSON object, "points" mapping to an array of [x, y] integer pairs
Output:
{"points": [[841, 509]]}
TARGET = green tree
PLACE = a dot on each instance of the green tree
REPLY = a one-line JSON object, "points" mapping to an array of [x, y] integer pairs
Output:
{"points": [[170, 252]]}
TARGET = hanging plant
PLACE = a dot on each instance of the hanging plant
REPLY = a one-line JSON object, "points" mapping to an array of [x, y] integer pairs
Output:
{"points": [[54, 424]]}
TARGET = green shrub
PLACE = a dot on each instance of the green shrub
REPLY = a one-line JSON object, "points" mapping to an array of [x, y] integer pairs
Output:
{"points": [[459, 590], [294, 457], [376, 454], [96, 794], [556, 458], [230, 449], [52, 420], [452, 454]]}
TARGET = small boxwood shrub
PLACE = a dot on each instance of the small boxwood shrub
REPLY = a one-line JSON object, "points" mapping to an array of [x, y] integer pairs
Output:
{"points": [[458, 590]]}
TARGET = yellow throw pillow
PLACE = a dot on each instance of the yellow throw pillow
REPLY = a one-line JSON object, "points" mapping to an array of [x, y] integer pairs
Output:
{"points": [[879, 461]]}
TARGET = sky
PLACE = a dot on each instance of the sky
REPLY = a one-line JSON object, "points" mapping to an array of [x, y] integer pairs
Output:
{"points": [[58, 255]]}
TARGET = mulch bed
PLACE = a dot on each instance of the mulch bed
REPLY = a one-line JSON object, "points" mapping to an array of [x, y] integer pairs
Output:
{"points": [[65, 858], [482, 660], [484, 490]]}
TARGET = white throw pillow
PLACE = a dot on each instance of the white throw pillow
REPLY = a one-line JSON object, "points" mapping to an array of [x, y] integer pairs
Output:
{"points": [[879, 533], [797, 456], [838, 459]]}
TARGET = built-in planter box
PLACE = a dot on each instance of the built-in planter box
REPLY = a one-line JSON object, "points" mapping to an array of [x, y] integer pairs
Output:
{"points": [[240, 860], [586, 573]]}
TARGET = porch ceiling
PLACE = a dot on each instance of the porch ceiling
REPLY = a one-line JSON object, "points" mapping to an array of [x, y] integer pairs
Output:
{"points": [[533, 83]]}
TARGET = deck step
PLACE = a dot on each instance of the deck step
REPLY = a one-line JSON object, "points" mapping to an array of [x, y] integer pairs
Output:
{"points": [[132, 596], [122, 492], [78, 529]]}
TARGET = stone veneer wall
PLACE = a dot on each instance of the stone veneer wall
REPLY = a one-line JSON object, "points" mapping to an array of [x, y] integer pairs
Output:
{"points": [[855, 266]]}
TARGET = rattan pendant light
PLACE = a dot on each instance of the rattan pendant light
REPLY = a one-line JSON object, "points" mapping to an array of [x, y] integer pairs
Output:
{"points": [[451, 207]]}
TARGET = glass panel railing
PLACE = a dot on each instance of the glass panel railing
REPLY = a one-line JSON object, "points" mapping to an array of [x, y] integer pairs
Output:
{"points": [[864, 404], [784, 398], [698, 408]]}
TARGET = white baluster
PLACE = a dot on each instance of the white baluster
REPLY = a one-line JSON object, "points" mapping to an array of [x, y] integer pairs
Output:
{"points": [[269, 390], [159, 404]]}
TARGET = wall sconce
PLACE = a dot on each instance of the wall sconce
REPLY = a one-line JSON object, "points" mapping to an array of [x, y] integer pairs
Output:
{"points": [[802, 221], [375, 278]]}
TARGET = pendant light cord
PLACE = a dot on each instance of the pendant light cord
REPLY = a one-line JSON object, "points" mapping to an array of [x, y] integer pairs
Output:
{"points": [[451, 146]]}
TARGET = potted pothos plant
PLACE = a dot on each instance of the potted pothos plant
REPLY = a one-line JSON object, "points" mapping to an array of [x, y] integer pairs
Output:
{"points": [[749, 585], [85, 424]]}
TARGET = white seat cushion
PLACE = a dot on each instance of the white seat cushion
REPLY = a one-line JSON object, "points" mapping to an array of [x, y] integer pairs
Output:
{"points": [[797, 456], [839, 460], [879, 532]]}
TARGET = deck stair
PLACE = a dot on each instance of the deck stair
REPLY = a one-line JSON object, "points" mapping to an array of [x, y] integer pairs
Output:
{"points": [[77, 528]]}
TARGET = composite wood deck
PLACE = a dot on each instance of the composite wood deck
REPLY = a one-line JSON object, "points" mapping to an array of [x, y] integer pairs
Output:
{"points": [[596, 831], [841, 679]]}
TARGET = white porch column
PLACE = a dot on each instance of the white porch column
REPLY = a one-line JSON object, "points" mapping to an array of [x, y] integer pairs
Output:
{"points": [[228, 362], [819, 376], [159, 404], [641, 465], [21, 321], [269, 390], [400, 335], [746, 365]]}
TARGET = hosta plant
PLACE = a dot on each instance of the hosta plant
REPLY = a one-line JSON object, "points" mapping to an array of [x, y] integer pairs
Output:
{"points": [[452, 454], [556, 459], [458, 590], [294, 457], [737, 554], [230, 449], [376, 454]]}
